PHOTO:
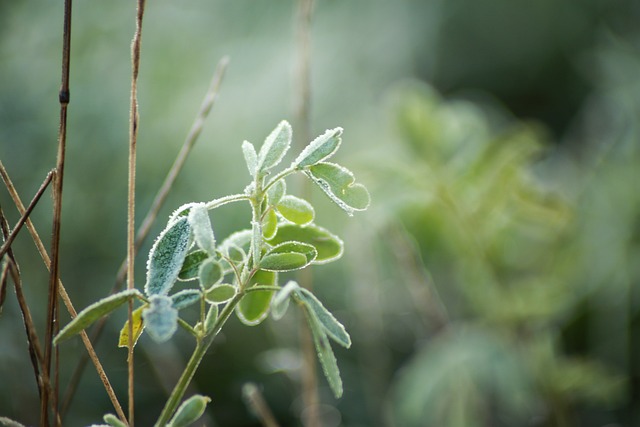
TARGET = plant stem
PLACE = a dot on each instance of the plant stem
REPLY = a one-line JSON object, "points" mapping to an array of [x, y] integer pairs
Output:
{"points": [[197, 356]]}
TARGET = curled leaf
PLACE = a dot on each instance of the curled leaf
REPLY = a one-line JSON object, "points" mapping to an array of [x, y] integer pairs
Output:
{"points": [[270, 224], [138, 327], [280, 301], [329, 323], [339, 184]]}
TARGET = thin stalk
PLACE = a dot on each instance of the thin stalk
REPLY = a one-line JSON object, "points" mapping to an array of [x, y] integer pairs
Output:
{"points": [[310, 395], [52, 303], [258, 405], [198, 354], [133, 138], [62, 291], [152, 214], [9, 239], [35, 352]]}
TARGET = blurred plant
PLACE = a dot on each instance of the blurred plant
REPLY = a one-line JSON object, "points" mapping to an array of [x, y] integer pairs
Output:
{"points": [[492, 236], [241, 273]]}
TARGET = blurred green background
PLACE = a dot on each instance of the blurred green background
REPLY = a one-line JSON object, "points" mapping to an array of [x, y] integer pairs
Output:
{"points": [[493, 282]]}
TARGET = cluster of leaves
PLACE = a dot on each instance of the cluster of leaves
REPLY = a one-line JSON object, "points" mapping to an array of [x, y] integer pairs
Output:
{"points": [[493, 237], [240, 273]]}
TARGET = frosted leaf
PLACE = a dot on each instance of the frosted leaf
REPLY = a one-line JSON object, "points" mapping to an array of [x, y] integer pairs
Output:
{"points": [[276, 192], [191, 265], [250, 157], [280, 301], [288, 256], [339, 184], [201, 226], [319, 149], [94, 312], [190, 411], [185, 298], [211, 273], [329, 323], [325, 353], [275, 147], [138, 327], [167, 256], [328, 245], [270, 224], [296, 210], [220, 293], [161, 318]]}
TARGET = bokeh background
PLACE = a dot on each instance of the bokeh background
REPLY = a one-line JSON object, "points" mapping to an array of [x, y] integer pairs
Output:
{"points": [[493, 282]]}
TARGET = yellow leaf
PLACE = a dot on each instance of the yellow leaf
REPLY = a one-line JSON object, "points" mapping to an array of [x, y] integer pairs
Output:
{"points": [[138, 327]]}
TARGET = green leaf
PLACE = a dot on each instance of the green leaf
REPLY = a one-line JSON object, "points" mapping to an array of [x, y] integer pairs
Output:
{"points": [[138, 327], [254, 307], [328, 245], [319, 149], [210, 320], [190, 411], [339, 184], [113, 421], [161, 318], [296, 210], [325, 353], [191, 265], [288, 256], [283, 262], [280, 301], [330, 324], [210, 273], [167, 256], [275, 147], [94, 312], [185, 298], [220, 293], [270, 224], [264, 278], [201, 226], [276, 192], [250, 157]]}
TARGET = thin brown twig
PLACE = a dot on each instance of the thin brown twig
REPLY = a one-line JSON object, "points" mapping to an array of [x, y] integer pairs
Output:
{"points": [[62, 291], [35, 352], [52, 304], [133, 138], [9, 239], [152, 213], [303, 114]]}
